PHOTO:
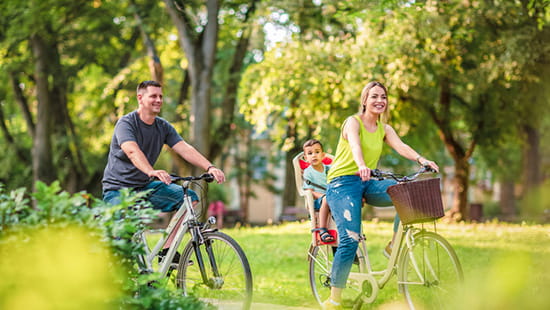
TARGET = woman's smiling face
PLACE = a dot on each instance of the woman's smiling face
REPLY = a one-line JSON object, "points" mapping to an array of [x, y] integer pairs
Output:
{"points": [[377, 100]]}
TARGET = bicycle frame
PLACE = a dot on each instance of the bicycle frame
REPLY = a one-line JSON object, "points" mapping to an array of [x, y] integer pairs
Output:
{"points": [[188, 214], [379, 278]]}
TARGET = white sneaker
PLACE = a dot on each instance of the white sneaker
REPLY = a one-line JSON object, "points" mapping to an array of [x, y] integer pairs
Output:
{"points": [[329, 304]]}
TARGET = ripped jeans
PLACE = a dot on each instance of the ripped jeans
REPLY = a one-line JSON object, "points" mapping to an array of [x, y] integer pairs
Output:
{"points": [[344, 197]]}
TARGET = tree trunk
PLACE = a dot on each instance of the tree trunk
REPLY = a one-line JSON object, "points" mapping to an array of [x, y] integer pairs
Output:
{"points": [[507, 200], [43, 167], [200, 52], [155, 66], [531, 158], [459, 209], [458, 152], [224, 131], [53, 122], [22, 102]]}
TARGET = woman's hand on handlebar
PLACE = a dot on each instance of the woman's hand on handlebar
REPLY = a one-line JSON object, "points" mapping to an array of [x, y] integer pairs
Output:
{"points": [[431, 164], [364, 173]]}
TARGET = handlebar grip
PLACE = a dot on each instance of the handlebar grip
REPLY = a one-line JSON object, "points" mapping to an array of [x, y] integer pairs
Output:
{"points": [[429, 169], [207, 177]]}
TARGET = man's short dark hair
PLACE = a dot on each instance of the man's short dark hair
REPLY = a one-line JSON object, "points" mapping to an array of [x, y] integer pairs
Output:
{"points": [[145, 84]]}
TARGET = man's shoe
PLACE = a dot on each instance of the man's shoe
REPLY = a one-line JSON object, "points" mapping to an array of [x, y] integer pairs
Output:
{"points": [[163, 253], [387, 250], [329, 304]]}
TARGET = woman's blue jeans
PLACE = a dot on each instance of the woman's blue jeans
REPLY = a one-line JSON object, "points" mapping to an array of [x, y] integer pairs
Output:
{"points": [[345, 198]]}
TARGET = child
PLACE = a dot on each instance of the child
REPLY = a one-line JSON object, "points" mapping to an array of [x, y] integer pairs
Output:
{"points": [[315, 180]]}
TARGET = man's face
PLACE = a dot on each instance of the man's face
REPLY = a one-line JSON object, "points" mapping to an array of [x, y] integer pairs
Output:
{"points": [[150, 99]]}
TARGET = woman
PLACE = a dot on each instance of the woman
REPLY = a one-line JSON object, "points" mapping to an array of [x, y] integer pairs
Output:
{"points": [[358, 151]]}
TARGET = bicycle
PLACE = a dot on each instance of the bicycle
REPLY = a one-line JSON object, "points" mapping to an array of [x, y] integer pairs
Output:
{"points": [[212, 265], [427, 267]]}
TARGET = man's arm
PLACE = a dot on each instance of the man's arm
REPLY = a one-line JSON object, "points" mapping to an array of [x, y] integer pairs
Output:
{"points": [[136, 156], [191, 155]]}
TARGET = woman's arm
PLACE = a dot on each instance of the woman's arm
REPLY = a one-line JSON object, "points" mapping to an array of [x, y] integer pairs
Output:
{"points": [[395, 142], [351, 133]]}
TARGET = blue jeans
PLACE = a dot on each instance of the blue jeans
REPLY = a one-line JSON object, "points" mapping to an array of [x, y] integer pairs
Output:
{"points": [[165, 197], [345, 198]]}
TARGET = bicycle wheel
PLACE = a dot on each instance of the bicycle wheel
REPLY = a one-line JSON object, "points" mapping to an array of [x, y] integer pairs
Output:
{"points": [[429, 272], [320, 264], [228, 281]]}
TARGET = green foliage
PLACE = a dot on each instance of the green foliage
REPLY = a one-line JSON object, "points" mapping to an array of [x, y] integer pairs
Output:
{"points": [[113, 227], [217, 192], [279, 93]]}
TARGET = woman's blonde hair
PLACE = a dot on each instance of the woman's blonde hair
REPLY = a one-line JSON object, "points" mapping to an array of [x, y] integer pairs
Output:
{"points": [[364, 95]]}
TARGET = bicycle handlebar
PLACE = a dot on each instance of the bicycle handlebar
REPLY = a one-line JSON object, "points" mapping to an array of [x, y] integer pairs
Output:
{"points": [[381, 175], [206, 177]]}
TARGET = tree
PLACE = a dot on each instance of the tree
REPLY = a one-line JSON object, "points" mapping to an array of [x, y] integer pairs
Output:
{"points": [[45, 45], [299, 90], [444, 62], [455, 74], [198, 32]]}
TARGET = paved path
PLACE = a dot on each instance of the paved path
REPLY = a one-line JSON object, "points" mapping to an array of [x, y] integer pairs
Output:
{"points": [[261, 306]]}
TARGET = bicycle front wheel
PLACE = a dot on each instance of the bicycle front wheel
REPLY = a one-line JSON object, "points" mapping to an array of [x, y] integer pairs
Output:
{"points": [[429, 272], [320, 266], [218, 274]]}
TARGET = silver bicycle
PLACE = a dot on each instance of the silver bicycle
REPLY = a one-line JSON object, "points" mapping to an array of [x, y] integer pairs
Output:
{"points": [[212, 265]]}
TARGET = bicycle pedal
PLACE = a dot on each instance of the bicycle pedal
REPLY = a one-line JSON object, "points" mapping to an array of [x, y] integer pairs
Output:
{"points": [[146, 271], [190, 263]]}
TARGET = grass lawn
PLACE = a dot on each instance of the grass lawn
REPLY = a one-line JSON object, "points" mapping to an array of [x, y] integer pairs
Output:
{"points": [[506, 266]]}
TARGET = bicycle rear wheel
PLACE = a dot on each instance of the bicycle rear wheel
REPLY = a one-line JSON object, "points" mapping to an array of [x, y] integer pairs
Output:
{"points": [[429, 272], [320, 264], [228, 279]]}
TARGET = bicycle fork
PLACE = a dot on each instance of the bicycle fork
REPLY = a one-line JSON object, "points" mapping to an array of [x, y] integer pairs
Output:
{"points": [[216, 282]]}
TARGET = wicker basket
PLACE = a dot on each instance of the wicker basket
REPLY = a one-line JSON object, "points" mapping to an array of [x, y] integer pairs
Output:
{"points": [[418, 201]]}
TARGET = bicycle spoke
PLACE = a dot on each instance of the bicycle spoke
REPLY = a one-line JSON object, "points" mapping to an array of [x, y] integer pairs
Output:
{"points": [[320, 266], [228, 280], [430, 272]]}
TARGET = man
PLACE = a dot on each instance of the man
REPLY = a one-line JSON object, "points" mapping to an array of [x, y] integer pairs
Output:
{"points": [[135, 147]]}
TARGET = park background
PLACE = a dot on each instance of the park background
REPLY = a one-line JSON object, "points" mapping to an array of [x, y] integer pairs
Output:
{"points": [[247, 82]]}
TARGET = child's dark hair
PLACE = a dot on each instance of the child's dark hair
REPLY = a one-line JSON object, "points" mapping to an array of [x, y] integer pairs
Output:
{"points": [[312, 142]]}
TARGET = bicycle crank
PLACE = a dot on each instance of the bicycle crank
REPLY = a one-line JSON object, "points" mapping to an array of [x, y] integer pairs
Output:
{"points": [[369, 286]]}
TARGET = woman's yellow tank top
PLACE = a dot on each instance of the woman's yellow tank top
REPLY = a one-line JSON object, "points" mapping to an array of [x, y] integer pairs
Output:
{"points": [[371, 144]]}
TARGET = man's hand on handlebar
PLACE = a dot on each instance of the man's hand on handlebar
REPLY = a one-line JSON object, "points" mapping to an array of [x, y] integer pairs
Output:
{"points": [[161, 175], [219, 176]]}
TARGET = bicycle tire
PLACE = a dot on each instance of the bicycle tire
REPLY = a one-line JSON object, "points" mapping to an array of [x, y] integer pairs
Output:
{"points": [[232, 289], [429, 272], [320, 258]]}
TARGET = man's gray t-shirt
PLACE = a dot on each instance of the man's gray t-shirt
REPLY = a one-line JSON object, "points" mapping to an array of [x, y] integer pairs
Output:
{"points": [[120, 172]]}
